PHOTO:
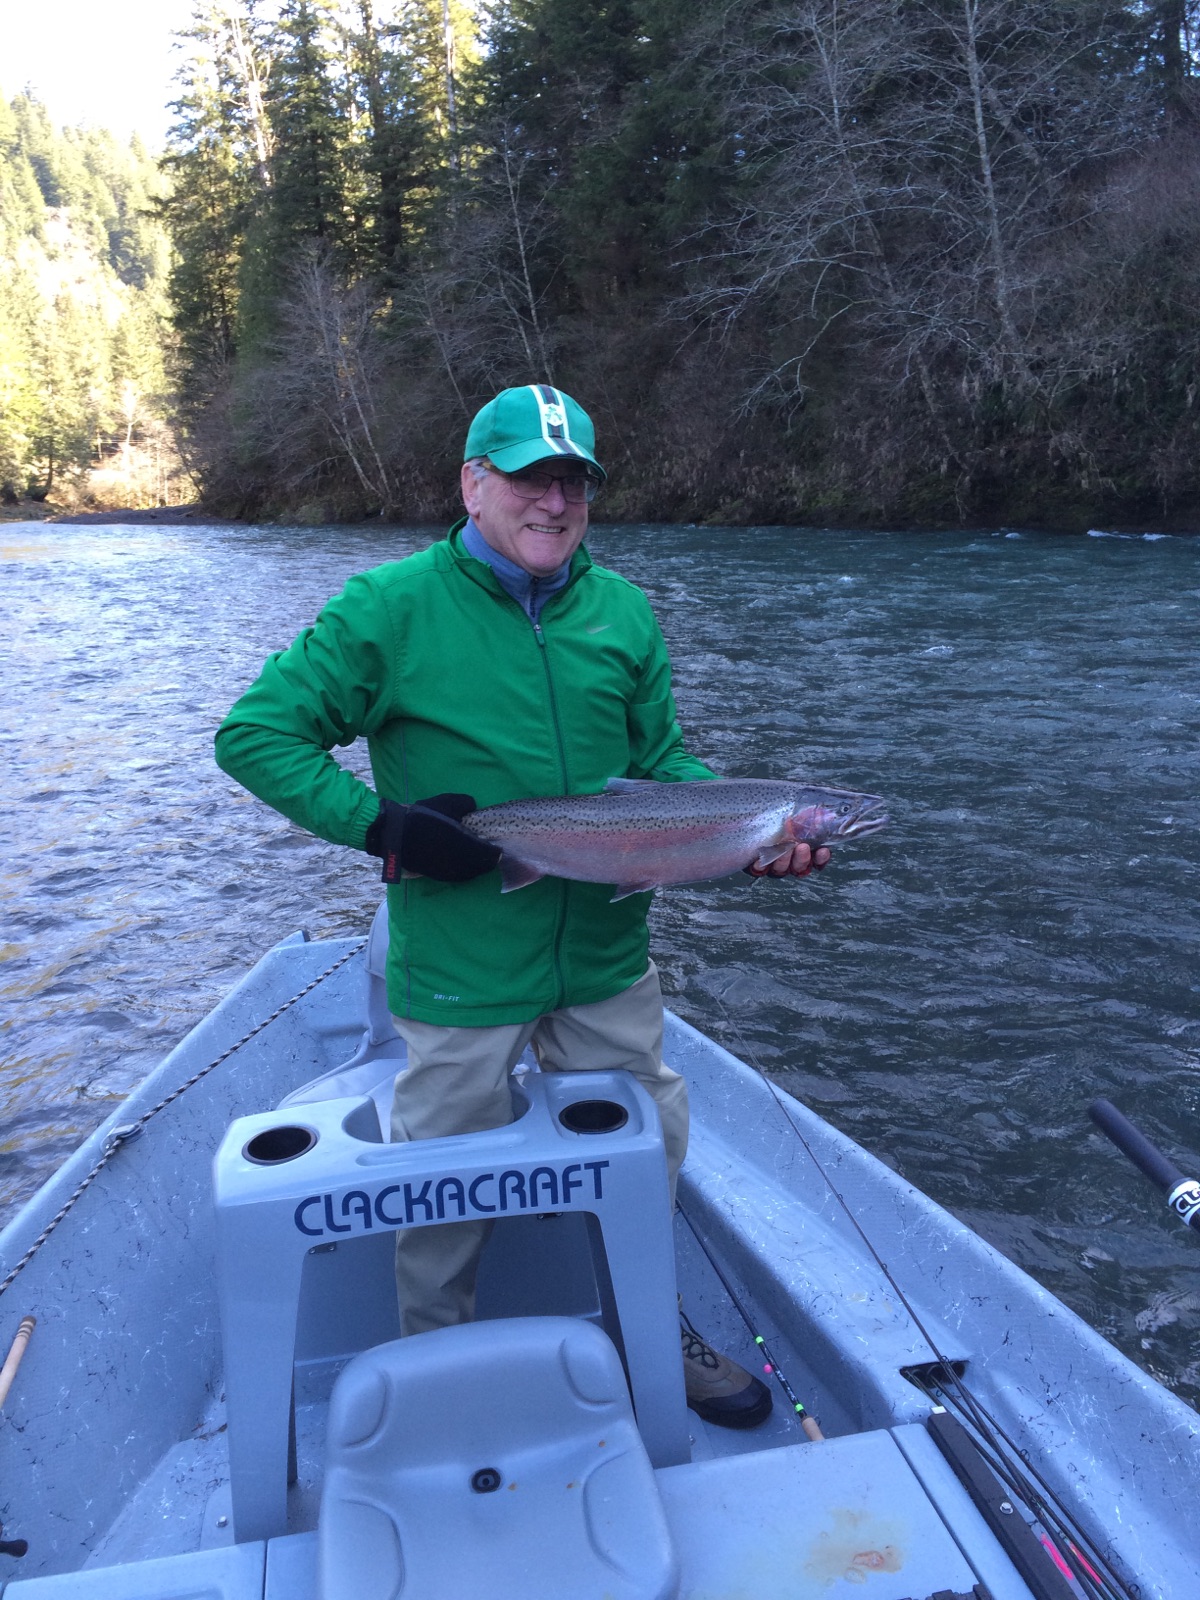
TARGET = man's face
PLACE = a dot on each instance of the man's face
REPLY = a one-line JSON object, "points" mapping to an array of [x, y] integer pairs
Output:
{"points": [[538, 535]]}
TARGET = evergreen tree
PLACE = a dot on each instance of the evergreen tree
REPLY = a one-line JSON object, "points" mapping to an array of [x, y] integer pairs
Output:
{"points": [[405, 74], [19, 409], [308, 120], [388, 152], [217, 182], [1172, 40], [81, 297], [72, 382], [305, 197], [21, 203]]}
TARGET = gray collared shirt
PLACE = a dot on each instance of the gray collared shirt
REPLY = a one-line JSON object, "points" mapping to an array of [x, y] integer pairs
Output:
{"points": [[529, 592]]}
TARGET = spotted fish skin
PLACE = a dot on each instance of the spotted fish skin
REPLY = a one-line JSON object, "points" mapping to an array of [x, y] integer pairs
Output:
{"points": [[639, 834]]}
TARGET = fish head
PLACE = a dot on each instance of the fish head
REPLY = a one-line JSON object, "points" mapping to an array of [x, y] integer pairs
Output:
{"points": [[822, 816]]}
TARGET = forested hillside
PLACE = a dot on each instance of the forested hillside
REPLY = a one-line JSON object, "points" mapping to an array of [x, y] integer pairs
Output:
{"points": [[83, 265], [805, 260]]}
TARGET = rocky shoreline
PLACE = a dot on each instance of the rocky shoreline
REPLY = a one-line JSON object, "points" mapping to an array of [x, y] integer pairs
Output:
{"points": [[43, 511], [174, 516]]}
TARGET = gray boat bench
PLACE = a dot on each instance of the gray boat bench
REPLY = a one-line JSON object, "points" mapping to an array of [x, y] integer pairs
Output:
{"points": [[288, 1182], [876, 1516]]}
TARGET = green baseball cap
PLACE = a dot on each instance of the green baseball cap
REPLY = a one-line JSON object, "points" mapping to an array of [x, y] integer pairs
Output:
{"points": [[532, 423]]}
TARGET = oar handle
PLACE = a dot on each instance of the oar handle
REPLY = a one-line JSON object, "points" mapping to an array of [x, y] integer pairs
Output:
{"points": [[13, 1360], [1183, 1194]]}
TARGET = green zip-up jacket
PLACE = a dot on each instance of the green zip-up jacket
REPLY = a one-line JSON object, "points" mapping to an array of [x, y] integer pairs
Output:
{"points": [[456, 690]]}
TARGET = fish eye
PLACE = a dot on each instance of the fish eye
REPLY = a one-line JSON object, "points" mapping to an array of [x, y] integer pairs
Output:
{"points": [[844, 808]]}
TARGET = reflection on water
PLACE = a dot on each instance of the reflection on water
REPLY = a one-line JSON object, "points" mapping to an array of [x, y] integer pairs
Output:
{"points": [[1022, 937]]}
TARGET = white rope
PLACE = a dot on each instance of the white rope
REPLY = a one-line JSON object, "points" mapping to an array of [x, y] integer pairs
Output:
{"points": [[130, 1130]]}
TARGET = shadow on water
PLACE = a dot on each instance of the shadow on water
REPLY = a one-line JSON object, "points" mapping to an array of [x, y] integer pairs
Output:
{"points": [[951, 993]]}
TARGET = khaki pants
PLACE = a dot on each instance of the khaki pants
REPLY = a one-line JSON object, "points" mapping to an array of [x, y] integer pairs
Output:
{"points": [[457, 1082]]}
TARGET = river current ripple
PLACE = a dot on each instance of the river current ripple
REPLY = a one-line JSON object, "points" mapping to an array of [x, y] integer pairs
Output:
{"points": [[1023, 937]]}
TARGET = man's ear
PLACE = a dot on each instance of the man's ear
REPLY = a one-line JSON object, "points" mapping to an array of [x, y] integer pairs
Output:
{"points": [[471, 489]]}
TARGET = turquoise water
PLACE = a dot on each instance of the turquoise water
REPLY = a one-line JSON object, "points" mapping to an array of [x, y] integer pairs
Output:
{"points": [[1023, 936]]}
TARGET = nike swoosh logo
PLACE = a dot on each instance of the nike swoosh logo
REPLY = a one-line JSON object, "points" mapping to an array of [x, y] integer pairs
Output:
{"points": [[600, 628]]}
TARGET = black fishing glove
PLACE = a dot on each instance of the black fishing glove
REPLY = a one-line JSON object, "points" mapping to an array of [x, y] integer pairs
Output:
{"points": [[426, 838]]}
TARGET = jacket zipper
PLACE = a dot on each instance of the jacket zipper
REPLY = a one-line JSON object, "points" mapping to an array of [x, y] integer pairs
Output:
{"points": [[554, 717], [560, 929]]}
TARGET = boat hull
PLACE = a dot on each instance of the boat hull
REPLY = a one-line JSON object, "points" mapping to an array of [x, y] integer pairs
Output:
{"points": [[111, 1449]]}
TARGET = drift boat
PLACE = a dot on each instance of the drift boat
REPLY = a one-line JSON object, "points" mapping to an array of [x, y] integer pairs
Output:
{"points": [[214, 1403]]}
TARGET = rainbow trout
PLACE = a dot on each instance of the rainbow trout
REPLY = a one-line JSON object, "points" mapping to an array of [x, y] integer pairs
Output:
{"points": [[639, 833]]}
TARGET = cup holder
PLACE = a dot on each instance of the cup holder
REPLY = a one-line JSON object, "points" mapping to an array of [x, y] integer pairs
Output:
{"points": [[593, 1116], [275, 1145]]}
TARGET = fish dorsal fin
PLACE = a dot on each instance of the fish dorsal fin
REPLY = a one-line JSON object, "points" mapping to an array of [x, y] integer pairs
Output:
{"points": [[516, 874], [630, 785]]}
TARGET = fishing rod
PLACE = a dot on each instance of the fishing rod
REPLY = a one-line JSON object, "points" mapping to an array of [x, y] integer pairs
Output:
{"points": [[771, 1367], [1183, 1194], [1042, 1565], [1068, 1550]]}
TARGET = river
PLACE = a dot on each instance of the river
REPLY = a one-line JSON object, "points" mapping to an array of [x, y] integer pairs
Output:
{"points": [[1024, 936]]}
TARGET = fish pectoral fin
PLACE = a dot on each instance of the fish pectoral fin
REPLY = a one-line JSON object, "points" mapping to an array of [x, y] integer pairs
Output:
{"points": [[516, 874], [770, 853], [630, 785], [626, 889]]}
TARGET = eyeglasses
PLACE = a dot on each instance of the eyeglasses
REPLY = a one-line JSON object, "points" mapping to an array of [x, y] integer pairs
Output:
{"points": [[531, 483]]}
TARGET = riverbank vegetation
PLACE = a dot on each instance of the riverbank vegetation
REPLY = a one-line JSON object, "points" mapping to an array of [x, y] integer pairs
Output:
{"points": [[805, 260], [833, 261], [84, 394]]}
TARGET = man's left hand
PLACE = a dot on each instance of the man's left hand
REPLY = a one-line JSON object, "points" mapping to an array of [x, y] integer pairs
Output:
{"points": [[798, 864]]}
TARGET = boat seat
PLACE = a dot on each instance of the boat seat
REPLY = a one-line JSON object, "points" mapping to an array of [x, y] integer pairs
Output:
{"points": [[370, 1073], [380, 1028], [496, 1458], [358, 1080]]}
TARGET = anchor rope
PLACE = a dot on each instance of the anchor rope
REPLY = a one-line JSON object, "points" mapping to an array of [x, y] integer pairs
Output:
{"points": [[1089, 1568], [129, 1130]]}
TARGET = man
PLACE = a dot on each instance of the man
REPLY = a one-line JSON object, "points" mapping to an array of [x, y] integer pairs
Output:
{"points": [[499, 664]]}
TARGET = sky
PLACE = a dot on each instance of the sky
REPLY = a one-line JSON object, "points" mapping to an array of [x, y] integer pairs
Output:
{"points": [[105, 62]]}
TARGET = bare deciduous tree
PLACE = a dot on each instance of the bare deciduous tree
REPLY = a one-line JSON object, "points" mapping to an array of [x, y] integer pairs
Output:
{"points": [[319, 408], [906, 165]]}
